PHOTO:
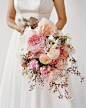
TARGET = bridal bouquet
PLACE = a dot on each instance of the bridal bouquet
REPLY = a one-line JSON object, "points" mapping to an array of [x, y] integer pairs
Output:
{"points": [[46, 57]]}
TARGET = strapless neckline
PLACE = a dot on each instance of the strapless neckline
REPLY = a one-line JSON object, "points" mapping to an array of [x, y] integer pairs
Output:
{"points": [[33, 8]]}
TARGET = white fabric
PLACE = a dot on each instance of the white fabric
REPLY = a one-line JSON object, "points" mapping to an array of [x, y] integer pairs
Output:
{"points": [[14, 87], [35, 8]]}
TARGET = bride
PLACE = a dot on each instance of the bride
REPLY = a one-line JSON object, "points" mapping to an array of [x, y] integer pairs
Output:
{"points": [[14, 88], [33, 6]]}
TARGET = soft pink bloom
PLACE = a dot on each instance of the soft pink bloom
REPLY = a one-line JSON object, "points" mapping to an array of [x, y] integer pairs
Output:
{"points": [[47, 27], [33, 64], [51, 76], [61, 64], [45, 59], [37, 54], [33, 40], [36, 42]]}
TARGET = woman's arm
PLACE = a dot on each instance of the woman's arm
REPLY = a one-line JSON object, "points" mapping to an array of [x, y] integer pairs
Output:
{"points": [[11, 13], [60, 9]]}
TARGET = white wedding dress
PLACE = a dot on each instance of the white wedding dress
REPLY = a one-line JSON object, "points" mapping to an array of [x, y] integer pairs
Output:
{"points": [[14, 90]]}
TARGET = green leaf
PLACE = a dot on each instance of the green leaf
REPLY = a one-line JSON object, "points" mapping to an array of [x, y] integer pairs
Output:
{"points": [[64, 39]]}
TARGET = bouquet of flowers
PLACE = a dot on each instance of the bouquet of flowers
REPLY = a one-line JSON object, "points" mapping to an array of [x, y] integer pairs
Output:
{"points": [[46, 57]]}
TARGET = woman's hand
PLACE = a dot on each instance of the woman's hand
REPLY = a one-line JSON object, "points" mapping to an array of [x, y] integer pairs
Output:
{"points": [[20, 27], [11, 13]]}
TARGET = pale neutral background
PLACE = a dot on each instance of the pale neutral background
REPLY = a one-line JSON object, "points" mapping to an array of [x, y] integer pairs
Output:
{"points": [[76, 27]]}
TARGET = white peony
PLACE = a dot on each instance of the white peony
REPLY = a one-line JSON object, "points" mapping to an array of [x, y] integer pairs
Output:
{"points": [[53, 53]]}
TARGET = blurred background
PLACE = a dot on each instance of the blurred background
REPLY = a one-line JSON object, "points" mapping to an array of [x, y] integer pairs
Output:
{"points": [[75, 27]]}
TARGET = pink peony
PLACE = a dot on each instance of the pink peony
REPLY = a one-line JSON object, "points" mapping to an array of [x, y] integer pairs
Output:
{"points": [[33, 40], [36, 42], [37, 54], [33, 64], [47, 27]]}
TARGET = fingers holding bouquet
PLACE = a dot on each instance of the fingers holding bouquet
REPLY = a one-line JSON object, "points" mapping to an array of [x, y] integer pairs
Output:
{"points": [[21, 27], [24, 23]]}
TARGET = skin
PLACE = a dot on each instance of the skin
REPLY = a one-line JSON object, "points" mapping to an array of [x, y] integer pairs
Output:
{"points": [[60, 9], [11, 13]]}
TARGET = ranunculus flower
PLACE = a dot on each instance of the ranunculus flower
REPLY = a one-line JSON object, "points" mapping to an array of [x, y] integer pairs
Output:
{"points": [[53, 53], [47, 27], [33, 64], [33, 40], [45, 59]]}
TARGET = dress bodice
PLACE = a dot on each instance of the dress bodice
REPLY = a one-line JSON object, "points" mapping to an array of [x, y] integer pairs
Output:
{"points": [[34, 8]]}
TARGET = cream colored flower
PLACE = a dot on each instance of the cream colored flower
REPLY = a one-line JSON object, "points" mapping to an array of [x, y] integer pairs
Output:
{"points": [[45, 59], [53, 53]]}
